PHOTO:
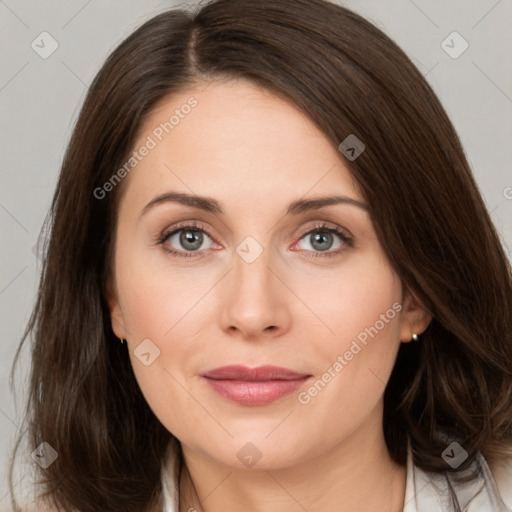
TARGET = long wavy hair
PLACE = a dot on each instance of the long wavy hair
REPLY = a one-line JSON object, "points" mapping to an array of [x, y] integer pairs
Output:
{"points": [[349, 78]]}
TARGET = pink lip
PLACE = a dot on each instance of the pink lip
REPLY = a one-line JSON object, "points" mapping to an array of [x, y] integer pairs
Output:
{"points": [[254, 386]]}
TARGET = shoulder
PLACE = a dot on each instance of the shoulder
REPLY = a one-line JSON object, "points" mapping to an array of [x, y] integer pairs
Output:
{"points": [[489, 488], [502, 473], [40, 505]]}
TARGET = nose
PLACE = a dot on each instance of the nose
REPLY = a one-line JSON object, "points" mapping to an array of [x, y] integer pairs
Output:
{"points": [[254, 301]]}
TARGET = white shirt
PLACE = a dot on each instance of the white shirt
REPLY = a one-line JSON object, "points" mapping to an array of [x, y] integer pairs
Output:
{"points": [[424, 492]]}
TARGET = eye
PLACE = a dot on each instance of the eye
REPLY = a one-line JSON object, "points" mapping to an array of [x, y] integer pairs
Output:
{"points": [[188, 238], [322, 238]]}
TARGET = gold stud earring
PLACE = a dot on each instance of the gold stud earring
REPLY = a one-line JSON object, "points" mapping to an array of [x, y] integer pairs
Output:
{"points": [[415, 337]]}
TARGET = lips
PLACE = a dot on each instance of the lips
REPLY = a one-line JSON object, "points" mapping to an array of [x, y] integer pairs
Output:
{"points": [[261, 373], [254, 386]]}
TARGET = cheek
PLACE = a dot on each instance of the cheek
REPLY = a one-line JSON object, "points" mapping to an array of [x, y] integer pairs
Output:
{"points": [[360, 301], [159, 307], [155, 299], [150, 315], [361, 312]]}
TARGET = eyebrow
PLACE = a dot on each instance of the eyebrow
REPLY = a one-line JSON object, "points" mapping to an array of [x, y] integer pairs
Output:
{"points": [[209, 204]]}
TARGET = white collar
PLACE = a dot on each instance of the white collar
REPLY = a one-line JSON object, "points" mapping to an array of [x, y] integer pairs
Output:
{"points": [[429, 492], [424, 492]]}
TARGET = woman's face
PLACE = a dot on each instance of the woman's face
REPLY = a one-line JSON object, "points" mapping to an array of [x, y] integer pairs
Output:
{"points": [[251, 283]]}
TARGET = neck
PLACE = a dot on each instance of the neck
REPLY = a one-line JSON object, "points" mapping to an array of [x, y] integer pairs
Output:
{"points": [[356, 475]]}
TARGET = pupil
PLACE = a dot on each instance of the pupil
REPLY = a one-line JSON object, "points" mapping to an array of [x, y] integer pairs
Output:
{"points": [[195, 238], [321, 238]]}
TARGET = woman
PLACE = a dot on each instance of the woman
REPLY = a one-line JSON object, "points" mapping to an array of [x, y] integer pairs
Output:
{"points": [[266, 203]]}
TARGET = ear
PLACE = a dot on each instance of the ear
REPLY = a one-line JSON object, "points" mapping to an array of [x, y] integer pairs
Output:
{"points": [[116, 314], [415, 318]]}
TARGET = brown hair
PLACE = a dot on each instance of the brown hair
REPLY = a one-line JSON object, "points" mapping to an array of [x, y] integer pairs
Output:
{"points": [[349, 78]]}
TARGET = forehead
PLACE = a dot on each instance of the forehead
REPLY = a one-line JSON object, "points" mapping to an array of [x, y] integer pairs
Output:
{"points": [[235, 140]]}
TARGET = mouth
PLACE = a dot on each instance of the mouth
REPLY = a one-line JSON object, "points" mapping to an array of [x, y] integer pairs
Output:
{"points": [[254, 386]]}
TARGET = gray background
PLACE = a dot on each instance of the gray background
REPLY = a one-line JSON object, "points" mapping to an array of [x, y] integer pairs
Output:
{"points": [[39, 101]]}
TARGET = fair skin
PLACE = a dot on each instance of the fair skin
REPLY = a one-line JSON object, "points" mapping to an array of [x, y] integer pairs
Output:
{"points": [[255, 154]]}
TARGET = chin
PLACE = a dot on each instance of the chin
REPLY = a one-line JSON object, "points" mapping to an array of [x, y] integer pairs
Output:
{"points": [[256, 453]]}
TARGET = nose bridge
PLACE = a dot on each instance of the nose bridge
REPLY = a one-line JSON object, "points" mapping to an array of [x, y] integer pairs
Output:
{"points": [[252, 277], [251, 273], [253, 302]]}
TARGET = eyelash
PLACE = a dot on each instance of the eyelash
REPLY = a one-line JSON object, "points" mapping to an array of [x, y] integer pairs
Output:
{"points": [[194, 226]]}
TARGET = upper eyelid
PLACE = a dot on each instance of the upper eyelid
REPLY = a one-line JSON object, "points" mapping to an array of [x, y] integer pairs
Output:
{"points": [[193, 225], [325, 225]]}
